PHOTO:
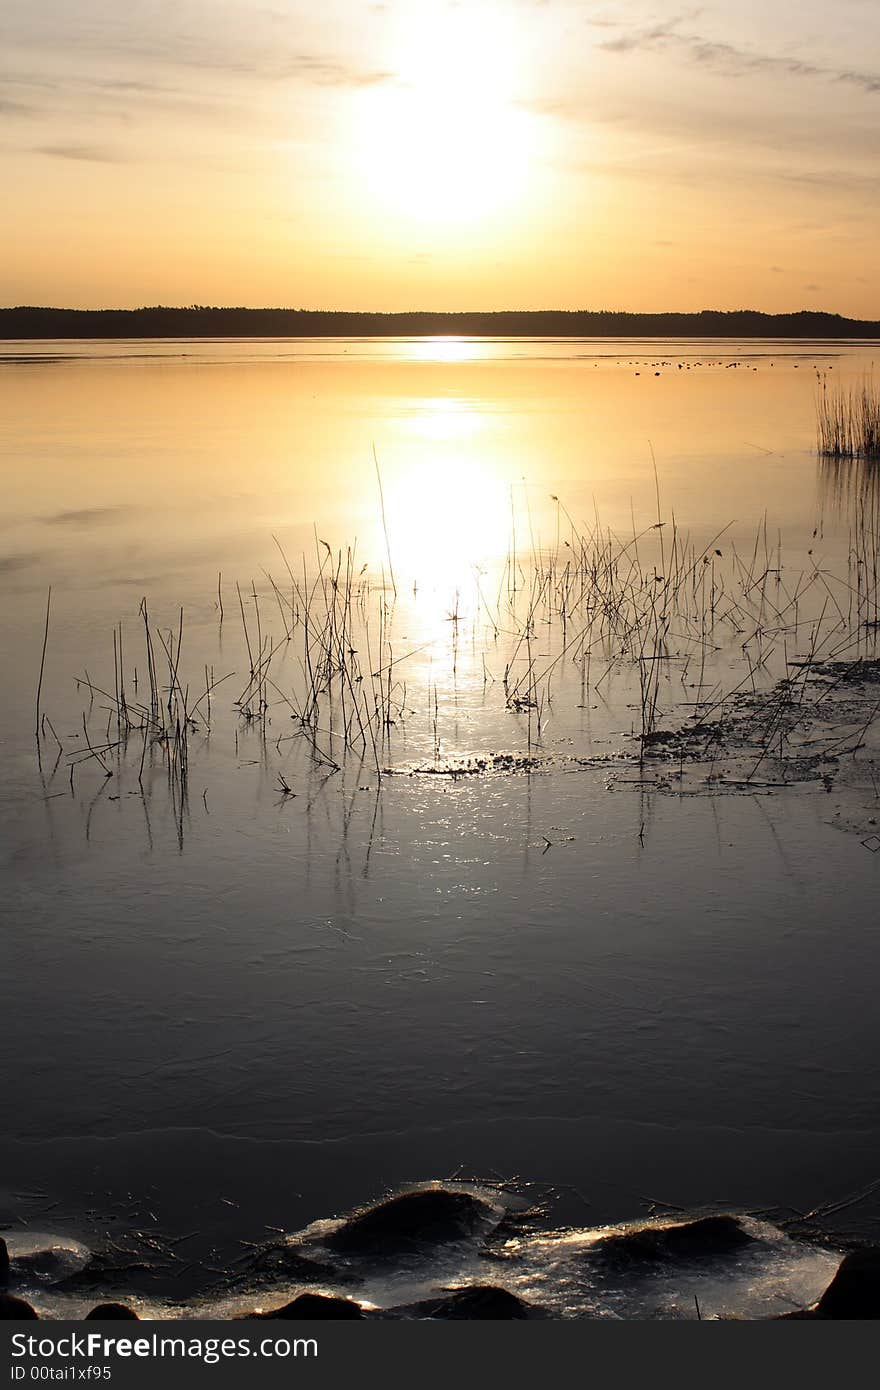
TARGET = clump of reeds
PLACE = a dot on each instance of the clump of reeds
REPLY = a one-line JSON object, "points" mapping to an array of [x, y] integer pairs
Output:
{"points": [[848, 421], [650, 602]]}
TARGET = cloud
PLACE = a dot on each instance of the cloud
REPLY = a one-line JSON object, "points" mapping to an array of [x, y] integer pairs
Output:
{"points": [[732, 60], [652, 37], [239, 39], [89, 154], [329, 72], [86, 516], [211, 88], [10, 563], [10, 107], [849, 179]]}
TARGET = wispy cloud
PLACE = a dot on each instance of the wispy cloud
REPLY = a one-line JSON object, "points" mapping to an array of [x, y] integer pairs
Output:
{"points": [[86, 516], [10, 107], [327, 72], [652, 36], [10, 563], [733, 60], [88, 154], [271, 44]]}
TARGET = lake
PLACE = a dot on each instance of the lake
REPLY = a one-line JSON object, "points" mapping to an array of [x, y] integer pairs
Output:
{"points": [[376, 846]]}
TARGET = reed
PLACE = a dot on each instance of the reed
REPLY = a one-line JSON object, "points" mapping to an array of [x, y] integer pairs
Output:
{"points": [[648, 609], [42, 664], [848, 420]]}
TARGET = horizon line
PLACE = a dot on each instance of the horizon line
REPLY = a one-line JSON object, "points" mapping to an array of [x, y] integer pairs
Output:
{"points": [[194, 307]]}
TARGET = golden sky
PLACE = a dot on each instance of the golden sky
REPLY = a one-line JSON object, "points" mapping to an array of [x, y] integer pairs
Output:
{"points": [[443, 154]]}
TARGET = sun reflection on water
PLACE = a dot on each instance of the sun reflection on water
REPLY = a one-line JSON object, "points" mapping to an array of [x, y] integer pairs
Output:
{"points": [[448, 349], [447, 501]]}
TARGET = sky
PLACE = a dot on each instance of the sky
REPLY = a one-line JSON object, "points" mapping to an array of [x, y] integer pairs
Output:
{"points": [[441, 154]]}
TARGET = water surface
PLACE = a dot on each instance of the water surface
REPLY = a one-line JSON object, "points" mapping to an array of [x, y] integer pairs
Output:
{"points": [[293, 1001]]}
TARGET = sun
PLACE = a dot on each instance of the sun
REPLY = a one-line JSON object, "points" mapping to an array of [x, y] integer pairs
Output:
{"points": [[445, 141]]}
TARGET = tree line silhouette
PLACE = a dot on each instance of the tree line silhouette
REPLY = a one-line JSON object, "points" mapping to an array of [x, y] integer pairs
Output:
{"points": [[206, 321]]}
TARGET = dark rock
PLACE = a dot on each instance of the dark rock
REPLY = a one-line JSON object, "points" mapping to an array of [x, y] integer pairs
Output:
{"points": [[39, 1264], [480, 1301], [431, 1216], [703, 1238], [16, 1309], [284, 1260], [854, 1292], [111, 1312], [102, 1274], [314, 1306], [49, 1259]]}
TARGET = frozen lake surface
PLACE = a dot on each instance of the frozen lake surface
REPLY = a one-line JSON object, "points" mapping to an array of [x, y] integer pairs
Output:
{"points": [[463, 911]]}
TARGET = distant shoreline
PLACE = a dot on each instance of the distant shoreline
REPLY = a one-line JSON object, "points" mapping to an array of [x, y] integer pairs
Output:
{"points": [[205, 322]]}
